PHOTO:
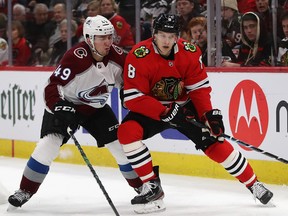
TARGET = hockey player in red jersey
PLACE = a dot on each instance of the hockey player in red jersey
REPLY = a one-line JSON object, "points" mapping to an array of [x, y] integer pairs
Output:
{"points": [[166, 86], [76, 94]]}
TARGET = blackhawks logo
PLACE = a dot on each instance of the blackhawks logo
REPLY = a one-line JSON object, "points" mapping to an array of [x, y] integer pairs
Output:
{"points": [[168, 88], [119, 25], [284, 59], [3, 45], [189, 47], [141, 52]]}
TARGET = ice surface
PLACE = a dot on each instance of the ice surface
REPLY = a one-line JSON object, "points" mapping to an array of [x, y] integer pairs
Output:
{"points": [[72, 190]]}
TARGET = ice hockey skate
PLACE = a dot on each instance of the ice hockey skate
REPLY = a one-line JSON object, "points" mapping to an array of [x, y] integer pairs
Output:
{"points": [[19, 198], [261, 193], [138, 190], [150, 199]]}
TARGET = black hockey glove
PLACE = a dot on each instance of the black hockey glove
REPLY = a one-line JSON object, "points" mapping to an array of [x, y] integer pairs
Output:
{"points": [[65, 111], [185, 120], [177, 116], [213, 120], [173, 115]]}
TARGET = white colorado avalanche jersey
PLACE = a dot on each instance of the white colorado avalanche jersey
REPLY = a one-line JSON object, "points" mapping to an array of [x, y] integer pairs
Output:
{"points": [[80, 79]]}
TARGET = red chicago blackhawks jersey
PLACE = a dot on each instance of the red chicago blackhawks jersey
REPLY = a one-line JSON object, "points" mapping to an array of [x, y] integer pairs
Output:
{"points": [[123, 33], [80, 79], [151, 81]]}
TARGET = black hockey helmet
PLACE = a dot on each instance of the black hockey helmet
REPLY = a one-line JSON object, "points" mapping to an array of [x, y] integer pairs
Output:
{"points": [[166, 23]]}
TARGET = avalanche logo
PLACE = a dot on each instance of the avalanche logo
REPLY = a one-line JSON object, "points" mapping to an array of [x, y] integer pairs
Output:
{"points": [[95, 96], [248, 113]]}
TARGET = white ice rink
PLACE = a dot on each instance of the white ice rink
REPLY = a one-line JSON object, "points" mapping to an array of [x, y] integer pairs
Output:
{"points": [[72, 190]]}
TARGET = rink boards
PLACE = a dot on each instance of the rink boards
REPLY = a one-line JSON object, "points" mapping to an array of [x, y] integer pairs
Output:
{"points": [[254, 103]]}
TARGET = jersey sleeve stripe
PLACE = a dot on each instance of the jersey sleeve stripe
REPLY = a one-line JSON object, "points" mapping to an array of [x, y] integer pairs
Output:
{"points": [[131, 94], [202, 84]]}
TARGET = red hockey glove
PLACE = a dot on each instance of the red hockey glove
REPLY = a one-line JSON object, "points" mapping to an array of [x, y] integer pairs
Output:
{"points": [[213, 120]]}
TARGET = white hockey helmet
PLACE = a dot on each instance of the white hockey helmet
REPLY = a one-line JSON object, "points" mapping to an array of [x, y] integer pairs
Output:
{"points": [[97, 25]]}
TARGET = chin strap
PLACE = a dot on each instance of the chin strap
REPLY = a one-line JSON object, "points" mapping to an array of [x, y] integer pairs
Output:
{"points": [[97, 53]]}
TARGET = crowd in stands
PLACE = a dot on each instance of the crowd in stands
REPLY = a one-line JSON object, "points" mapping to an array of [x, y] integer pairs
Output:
{"points": [[39, 28]]}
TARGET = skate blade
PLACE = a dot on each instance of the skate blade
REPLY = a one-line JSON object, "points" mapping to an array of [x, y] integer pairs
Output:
{"points": [[154, 206], [271, 204], [11, 208]]}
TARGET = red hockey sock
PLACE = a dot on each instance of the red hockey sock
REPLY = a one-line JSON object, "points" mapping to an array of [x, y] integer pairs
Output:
{"points": [[233, 161], [140, 159]]}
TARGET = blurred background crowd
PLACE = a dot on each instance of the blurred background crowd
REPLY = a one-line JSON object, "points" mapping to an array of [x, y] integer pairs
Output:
{"points": [[231, 34]]}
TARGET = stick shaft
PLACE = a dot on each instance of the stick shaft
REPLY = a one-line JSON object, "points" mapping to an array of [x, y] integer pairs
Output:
{"points": [[256, 149], [85, 158], [198, 124]]}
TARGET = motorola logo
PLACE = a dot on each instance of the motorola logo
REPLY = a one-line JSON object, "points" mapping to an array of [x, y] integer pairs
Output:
{"points": [[248, 113]]}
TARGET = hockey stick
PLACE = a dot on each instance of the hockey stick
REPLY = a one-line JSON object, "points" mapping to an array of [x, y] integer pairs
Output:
{"points": [[256, 149], [93, 171], [198, 124]]}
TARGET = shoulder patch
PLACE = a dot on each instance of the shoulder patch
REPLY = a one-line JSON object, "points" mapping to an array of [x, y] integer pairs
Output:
{"points": [[80, 52], [3, 45], [118, 49], [141, 52], [119, 24], [189, 47]]}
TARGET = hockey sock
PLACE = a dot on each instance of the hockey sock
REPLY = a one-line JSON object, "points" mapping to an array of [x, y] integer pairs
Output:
{"points": [[34, 174], [125, 167], [140, 159], [233, 161], [130, 175]]}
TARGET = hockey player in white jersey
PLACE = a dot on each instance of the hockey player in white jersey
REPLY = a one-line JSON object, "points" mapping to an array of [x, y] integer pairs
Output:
{"points": [[76, 94]]}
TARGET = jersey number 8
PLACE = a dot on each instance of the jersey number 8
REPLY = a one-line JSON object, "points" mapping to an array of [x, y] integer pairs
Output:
{"points": [[131, 71]]}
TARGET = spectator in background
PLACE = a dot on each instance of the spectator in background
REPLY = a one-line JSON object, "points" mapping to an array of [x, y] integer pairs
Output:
{"points": [[263, 8], [3, 24], [19, 12], [3, 51], [256, 46], [146, 27], [187, 9], [4, 5], [246, 6], [59, 11], [61, 46], [123, 34], [127, 10], [59, 14], [93, 9], [37, 32], [21, 48], [32, 3], [230, 23], [284, 4], [81, 5], [150, 9], [197, 34], [282, 59]]}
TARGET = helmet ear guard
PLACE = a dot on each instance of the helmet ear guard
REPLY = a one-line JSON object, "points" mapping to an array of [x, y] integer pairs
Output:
{"points": [[97, 25]]}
